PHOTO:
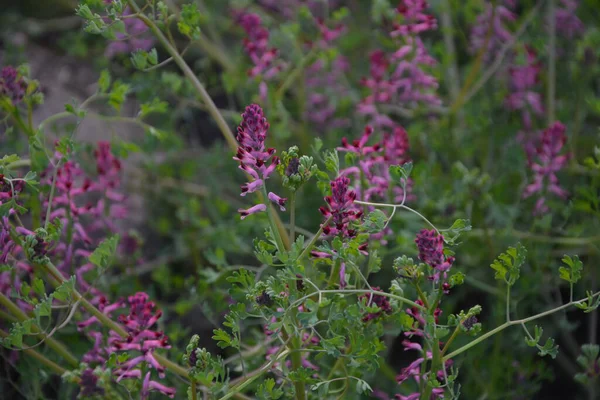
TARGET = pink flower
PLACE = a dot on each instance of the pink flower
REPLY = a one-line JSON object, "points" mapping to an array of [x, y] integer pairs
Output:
{"points": [[340, 209], [256, 46], [414, 19], [567, 22], [546, 161], [280, 201], [523, 95], [252, 210], [499, 35], [254, 157], [150, 385], [382, 302], [343, 282]]}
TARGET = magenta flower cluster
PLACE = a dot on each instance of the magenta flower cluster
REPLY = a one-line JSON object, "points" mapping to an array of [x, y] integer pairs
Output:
{"points": [[88, 207], [400, 78], [547, 160], [523, 82], [373, 299], [568, 23], [374, 162], [254, 157], [142, 338], [491, 28], [340, 208], [256, 45], [12, 85], [431, 252]]}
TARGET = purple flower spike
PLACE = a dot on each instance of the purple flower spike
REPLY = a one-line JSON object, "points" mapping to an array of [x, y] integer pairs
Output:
{"points": [[545, 164], [254, 157]]}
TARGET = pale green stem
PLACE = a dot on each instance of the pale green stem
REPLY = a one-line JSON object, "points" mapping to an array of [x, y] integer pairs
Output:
{"points": [[42, 359], [407, 208], [58, 347], [511, 323], [209, 103], [314, 239]]}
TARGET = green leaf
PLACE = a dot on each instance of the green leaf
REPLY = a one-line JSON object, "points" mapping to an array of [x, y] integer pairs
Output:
{"points": [[374, 222], [104, 254], [38, 287], [573, 273], [117, 95], [189, 24], [548, 349], [155, 106], [332, 162], [508, 265], [104, 81], [223, 339]]}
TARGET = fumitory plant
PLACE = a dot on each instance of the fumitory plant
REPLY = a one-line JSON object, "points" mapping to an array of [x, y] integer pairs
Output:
{"points": [[408, 207]]}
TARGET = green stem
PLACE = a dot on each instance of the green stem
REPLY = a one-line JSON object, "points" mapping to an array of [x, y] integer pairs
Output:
{"points": [[508, 303], [407, 208], [567, 241], [252, 376], [211, 107], [58, 347], [291, 78], [273, 223], [193, 390], [109, 323], [292, 217], [422, 296], [513, 322], [42, 359], [296, 358], [314, 239]]}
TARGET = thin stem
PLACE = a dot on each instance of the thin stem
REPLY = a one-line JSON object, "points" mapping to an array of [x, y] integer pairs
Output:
{"points": [[207, 100], [187, 71], [367, 203], [422, 296], [42, 359], [508, 303], [274, 228], [52, 190], [292, 217], [291, 78], [252, 376], [447, 31], [551, 92], [514, 322], [361, 291], [109, 323], [314, 238], [567, 241], [58, 347], [193, 390]]}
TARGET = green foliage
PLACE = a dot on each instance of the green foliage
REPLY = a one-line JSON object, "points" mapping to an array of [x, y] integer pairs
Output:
{"points": [[191, 19], [42, 309], [571, 274], [508, 265], [547, 349], [104, 254]]}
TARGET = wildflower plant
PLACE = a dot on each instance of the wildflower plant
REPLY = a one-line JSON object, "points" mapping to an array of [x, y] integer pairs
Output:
{"points": [[336, 243]]}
